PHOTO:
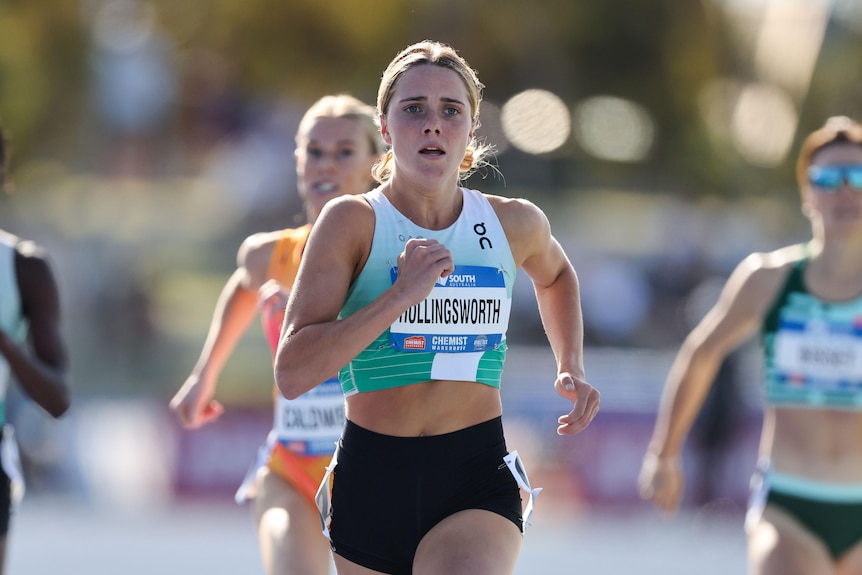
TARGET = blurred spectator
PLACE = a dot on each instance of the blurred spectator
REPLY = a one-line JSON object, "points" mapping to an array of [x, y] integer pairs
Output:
{"points": [[616, 300], [211, 105], [134, 82]]}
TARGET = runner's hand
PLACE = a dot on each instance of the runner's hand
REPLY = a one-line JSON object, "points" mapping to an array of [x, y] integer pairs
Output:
{"points": [[661, 481], [585, 400], [420, 265], [194, 404]]}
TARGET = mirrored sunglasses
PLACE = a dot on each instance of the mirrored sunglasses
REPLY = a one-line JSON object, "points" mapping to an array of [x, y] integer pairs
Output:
{"points": [[827, 179]]}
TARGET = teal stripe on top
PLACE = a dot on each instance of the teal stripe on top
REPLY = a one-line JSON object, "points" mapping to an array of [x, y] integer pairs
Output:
{"points": [[812, 348], [12, 320], [475, 239]]}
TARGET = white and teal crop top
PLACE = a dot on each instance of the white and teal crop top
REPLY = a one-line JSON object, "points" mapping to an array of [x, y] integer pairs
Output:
{"points": [[459, 331], [12, 320], [813, 348]]}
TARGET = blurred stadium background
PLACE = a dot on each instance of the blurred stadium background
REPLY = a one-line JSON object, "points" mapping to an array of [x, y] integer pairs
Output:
{"points": [[149, 137]]}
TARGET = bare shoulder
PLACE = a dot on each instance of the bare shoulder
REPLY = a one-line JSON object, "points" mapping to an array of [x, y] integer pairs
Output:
{"points": [[30, 250], [758, 278], [526, 226], [255, 253], [346, 218], [517, 211], [342, 234], [336, 252], [254, 244], [349, 206], [36, 282], [32, 263], [31, 259], [771, 266], [528, 231], [784, 258]]}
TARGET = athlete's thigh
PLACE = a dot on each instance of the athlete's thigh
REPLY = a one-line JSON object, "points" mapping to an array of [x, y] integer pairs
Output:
{"points": [[470, 542], [345, 567], [779, 545], [291, 541], [851, 562]]}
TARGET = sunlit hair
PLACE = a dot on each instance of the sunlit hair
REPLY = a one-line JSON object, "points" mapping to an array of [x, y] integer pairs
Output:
{"points": [[837, 130], [436, 54], [343, 106]]}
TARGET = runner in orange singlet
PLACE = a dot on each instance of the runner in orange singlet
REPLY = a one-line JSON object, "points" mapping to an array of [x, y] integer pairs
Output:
{"points": [[337, 145]]}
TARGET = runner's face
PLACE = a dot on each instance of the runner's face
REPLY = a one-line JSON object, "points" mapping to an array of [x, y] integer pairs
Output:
{"points": [[333, 158], [840, 206], [428, 123]]}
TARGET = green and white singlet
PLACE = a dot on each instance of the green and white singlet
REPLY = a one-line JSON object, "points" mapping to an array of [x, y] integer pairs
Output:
{"points": [[12, 320], [459, 331], [813, 348]]}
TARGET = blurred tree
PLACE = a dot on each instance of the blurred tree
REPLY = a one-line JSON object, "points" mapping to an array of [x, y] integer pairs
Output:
{"points": [[660, 53], [41, 55]]}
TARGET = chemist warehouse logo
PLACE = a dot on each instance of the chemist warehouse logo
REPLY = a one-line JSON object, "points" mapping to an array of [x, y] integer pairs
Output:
{"points": [[414, 342]]}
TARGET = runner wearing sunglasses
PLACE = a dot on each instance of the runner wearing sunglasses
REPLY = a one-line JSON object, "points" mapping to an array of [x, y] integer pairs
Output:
{"points": [[829, 179], [805, 300]]}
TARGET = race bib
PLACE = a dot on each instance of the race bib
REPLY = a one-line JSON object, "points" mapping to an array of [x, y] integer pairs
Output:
{"points": [[819, 352], [467, 311], [311, 423]]}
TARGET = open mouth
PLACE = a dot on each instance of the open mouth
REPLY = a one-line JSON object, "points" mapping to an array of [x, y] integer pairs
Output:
{"points": [[324, 188], [432, 151]]}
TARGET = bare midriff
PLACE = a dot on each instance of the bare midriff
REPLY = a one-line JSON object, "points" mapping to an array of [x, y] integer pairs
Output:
{"points": [[427, 408], [819, 444]]}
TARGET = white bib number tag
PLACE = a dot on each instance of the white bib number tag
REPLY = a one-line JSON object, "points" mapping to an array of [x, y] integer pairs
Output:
{"points": [[820, 356], [467, 311], [311, 423]]}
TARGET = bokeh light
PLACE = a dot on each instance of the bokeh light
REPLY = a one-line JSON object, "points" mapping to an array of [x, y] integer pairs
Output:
{"points": [[788, 42], [764, 123], [614, 129], [536, 121]]}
